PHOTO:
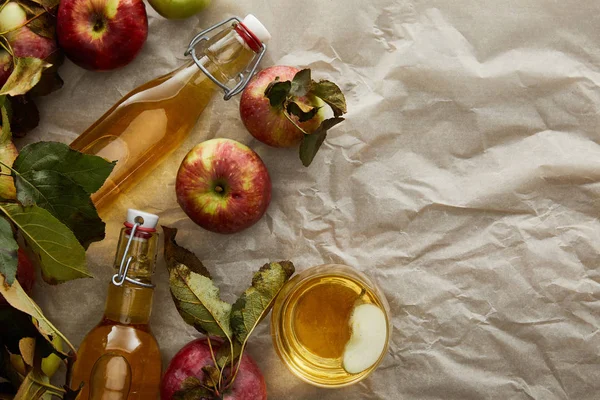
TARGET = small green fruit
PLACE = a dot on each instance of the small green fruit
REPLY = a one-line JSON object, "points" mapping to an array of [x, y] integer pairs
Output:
{"points": [[178, 9]]}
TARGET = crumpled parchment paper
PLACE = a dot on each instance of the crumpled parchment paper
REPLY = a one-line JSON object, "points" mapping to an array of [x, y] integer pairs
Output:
{"points": [[465, 182]]}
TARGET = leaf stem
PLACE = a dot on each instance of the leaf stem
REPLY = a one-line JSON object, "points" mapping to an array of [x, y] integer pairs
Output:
{"points": [[237, 368], [212, 354]]}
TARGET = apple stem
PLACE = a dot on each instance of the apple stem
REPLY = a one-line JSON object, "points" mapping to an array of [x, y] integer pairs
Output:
{"points": [[219, 189]]}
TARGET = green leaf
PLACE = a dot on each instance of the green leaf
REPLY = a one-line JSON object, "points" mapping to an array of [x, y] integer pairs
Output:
{"points": [[196, 296], [331, 94], [64, 199], [8, 252], [62, 257], [16, 297], [301, 84], [297, 110], [26, 74], [47, 181], [277, 93], [86, 170], [198, 302], [311, 143], [256, 302]]}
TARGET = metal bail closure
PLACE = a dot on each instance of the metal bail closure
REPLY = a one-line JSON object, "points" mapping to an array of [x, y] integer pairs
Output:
{"points": [[119, 278], [243, 77]]}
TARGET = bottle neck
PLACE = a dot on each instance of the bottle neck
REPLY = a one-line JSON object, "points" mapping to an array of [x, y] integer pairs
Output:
{"points": [[225, 56], [129, 303]]}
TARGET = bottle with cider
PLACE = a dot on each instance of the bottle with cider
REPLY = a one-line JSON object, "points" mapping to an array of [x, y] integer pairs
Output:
{"points": [[119, 359], [155, 118]]}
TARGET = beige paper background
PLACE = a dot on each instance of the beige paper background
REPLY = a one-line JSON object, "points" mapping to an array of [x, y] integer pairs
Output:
{"points": [[465, 182]]}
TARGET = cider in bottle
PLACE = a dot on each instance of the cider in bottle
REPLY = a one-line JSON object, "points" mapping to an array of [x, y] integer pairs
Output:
{"points": [[154, 119], [119, 359]]}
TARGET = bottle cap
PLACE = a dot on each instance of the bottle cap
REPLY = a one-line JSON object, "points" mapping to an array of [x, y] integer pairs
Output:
{"points": [[256, 27], [147, 220]]}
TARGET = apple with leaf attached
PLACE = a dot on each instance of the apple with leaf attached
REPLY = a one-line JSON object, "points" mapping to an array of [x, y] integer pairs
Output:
{"points": [[283, 107], [215, 367]]}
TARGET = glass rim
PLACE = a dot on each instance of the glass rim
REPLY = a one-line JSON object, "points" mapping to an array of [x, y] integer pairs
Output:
{"points": [[297, 281]]}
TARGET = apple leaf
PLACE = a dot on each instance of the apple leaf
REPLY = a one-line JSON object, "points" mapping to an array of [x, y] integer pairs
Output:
{"points": [[256, 302], [277, 93], [331, 94], [195, 295], [16, 297], [44, 178], [66, 201], [311, 143], [197, 300], [86, 170], [62, 257], [303, 113], [301, 84], [26, 74], [8, 252]]}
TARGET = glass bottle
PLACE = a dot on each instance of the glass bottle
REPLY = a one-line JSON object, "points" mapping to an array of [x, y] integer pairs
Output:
{"points": [[119, 359], [154, 119]]}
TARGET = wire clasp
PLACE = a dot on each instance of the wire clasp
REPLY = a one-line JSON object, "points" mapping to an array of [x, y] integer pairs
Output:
{"points": [[120, 277], [243, 79]]}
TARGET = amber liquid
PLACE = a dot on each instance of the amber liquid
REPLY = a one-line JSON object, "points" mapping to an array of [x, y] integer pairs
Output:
{"points": [[312, 329], [132, 369], [154, 119]]}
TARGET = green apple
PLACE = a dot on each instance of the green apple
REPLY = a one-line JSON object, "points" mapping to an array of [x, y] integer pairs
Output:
{"points": [[178, 9]]}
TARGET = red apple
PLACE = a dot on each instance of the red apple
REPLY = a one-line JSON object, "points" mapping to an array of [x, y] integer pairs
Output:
{"points": [[223, 186], [25, 274], [268, 124], [249, 383], [101, 34]]}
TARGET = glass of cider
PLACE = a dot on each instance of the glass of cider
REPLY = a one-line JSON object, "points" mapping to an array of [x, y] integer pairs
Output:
{"points": [[331, 325]]}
